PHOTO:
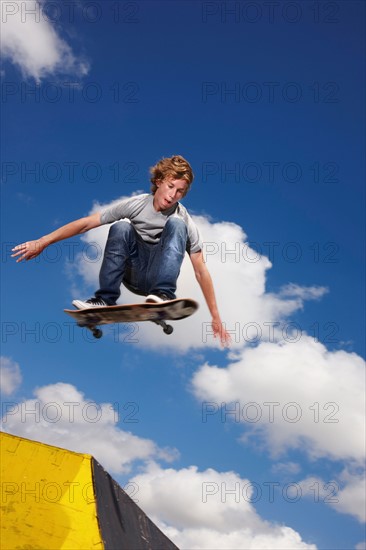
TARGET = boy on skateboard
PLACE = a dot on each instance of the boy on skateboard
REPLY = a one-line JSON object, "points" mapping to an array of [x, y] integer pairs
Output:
{"points": [[146, 246]]}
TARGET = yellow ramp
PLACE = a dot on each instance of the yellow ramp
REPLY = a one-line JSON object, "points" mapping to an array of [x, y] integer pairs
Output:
{"points": [[47, 497]]}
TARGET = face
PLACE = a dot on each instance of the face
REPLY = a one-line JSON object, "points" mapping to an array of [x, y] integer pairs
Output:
{"points": [[169, 192]]}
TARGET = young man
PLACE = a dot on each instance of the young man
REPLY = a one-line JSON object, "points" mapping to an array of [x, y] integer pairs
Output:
{"points": [[146, 245]]}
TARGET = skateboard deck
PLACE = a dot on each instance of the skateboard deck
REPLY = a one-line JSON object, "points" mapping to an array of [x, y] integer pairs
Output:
{"points": [[172, 310]]}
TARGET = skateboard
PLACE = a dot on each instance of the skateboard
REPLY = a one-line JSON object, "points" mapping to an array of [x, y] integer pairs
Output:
{"points": [[158, 313]]}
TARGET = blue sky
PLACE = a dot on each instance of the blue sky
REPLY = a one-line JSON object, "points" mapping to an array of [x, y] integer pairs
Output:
{"points": [[267, 104]]}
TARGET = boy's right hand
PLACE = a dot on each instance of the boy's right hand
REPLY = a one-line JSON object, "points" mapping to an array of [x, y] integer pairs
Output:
{"points": [[28, 250]]}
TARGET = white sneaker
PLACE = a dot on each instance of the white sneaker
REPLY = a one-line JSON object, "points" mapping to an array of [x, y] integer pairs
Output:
{"points": [[157, 298], [92, 302]]}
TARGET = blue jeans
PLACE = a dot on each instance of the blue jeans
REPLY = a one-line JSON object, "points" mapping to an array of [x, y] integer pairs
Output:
{"points": [[142, 267]]}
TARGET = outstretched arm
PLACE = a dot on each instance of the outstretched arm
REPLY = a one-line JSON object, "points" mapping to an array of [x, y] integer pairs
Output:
{"points": [[31, 249], [204, 279]]}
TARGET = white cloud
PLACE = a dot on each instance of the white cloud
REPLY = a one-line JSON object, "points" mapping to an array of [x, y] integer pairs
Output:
{"points": [[286, 469], [197, 510], [61, 415], [10, 376], [361, 546], [304, 293], [296, 396], [351, 497], [239, 276], [346, 494], [30, 42], [293, 396]]}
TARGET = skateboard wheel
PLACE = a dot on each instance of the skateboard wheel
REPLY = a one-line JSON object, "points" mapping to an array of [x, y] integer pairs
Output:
{"points": [[97, 333], [168, 329]]}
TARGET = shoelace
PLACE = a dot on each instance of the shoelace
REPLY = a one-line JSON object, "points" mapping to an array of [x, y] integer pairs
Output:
{"points": [[95, 302]]}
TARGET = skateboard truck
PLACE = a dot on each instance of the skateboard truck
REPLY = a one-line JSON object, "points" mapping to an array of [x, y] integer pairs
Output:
{"points": [[96, 332], [167, 329]]}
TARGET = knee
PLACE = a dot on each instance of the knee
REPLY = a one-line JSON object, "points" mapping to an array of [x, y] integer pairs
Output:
{"points": [[175, 225], [120, 230]]}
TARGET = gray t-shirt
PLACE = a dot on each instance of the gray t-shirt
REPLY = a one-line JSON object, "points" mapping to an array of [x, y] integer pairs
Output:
{"points": [[149, 223]]}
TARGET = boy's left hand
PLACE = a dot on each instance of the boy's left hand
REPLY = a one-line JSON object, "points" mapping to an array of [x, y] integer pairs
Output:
{"points": [[220, 332]]}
